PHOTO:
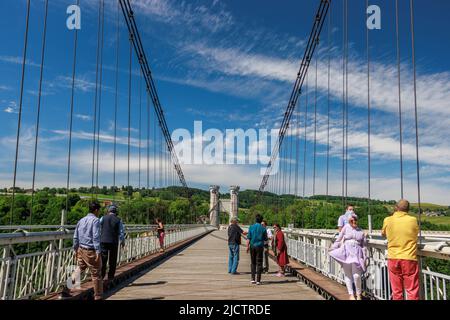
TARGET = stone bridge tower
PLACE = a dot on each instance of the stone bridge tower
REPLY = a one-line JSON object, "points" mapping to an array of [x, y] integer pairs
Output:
{"points": [[234, 205], [216, 205]]}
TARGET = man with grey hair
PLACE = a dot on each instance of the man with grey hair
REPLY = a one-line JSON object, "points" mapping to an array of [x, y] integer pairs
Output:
{"points": [[234, 244]]}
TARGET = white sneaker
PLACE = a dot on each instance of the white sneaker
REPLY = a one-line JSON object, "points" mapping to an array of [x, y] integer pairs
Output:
{"points": [[258, 283], [253, 281]]}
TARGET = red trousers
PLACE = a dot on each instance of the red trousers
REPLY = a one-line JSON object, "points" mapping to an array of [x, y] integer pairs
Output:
{"points": [[404, 274]]}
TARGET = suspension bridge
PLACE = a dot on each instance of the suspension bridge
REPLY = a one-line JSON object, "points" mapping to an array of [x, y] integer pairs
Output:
{"points": [[36, 260]]}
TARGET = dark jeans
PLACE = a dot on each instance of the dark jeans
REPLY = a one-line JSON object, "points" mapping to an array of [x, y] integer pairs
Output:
{"points": [[256, 255], [109, 254]]}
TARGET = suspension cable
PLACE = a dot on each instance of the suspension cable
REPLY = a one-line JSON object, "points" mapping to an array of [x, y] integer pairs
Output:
{"points": [[94, 140], [315, 132], [100, 96], [140, 130], [75, 46], [116, 99], [368, 130], [19, 121], [397, 36], [416, 120], [343, 104], [305, 137], [290, 158], [328, 116], [36, 140], [148, 141], [129, 122], [297, 147], [154, 151], [309, 52], [346, 101], [161, 183]]}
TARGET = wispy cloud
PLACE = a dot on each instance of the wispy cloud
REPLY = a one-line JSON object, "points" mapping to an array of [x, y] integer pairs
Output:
{"points": [[103, 137], [83, 117], [5, 88], [17, 60], [11, 107], [187, 14]]}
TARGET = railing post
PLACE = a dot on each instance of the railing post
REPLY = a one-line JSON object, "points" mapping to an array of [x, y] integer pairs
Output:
{"points": [[4, 273], [10, 275], [59, 260], [50, 265]]}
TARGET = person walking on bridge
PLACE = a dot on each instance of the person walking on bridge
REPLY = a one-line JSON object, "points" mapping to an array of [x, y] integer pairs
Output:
{"points": [[160, 233], [112, 234], [86, 243], [401, 231], [255, 244], [349, 251], [234, 245]]}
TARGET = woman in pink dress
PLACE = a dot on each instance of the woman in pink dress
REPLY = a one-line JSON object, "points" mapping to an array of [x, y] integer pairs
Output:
{"points": [[349, 251]]}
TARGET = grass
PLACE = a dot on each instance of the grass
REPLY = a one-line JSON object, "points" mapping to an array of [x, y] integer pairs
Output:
{"points": [[443, 220], [429, 206]]}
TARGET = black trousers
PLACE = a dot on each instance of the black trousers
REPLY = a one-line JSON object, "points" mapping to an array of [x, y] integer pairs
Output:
{"points": [[256, 256], [109, 256]]}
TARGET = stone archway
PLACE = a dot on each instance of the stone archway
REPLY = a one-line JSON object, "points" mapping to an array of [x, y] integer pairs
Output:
{"points": [[216, 205]]}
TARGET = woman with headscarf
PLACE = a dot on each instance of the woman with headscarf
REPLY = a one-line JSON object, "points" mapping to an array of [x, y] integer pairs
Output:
{"points": [[349, 251], [281, 250]]}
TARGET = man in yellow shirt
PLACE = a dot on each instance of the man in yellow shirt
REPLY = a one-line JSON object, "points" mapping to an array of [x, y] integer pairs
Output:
{"points": [[401, 231]]}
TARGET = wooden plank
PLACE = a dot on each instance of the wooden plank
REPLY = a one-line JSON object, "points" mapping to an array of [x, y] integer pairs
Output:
{"points": [[199, 272], [124, 272]]}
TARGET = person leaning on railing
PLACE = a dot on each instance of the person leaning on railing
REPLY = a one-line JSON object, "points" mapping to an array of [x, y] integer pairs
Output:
{"points": [[86, 243], [401, 231]]}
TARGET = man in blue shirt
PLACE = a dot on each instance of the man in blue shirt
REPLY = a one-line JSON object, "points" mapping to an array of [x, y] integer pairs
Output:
{"points": [[86, 243], [113, 231], [256, 236]]}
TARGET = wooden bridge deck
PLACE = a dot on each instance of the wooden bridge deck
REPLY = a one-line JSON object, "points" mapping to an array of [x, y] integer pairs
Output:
{"points": [[199, 272]]}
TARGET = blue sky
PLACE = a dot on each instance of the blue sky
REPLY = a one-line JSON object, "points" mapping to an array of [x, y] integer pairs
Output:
{"points": [[230, 64]]}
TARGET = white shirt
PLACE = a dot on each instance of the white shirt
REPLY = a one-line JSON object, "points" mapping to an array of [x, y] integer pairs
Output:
{"points": [[269, 236]]}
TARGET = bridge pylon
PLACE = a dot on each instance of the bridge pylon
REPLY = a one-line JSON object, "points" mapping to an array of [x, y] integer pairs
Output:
{"points": [[214, 206]]}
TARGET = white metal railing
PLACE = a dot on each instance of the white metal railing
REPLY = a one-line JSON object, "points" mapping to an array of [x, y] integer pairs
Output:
{"points": [[25, 276], [310, 247]]}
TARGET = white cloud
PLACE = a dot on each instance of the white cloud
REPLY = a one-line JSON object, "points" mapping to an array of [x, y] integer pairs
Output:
{"points": [[18, 60], [83, 117], [104, 138]]}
